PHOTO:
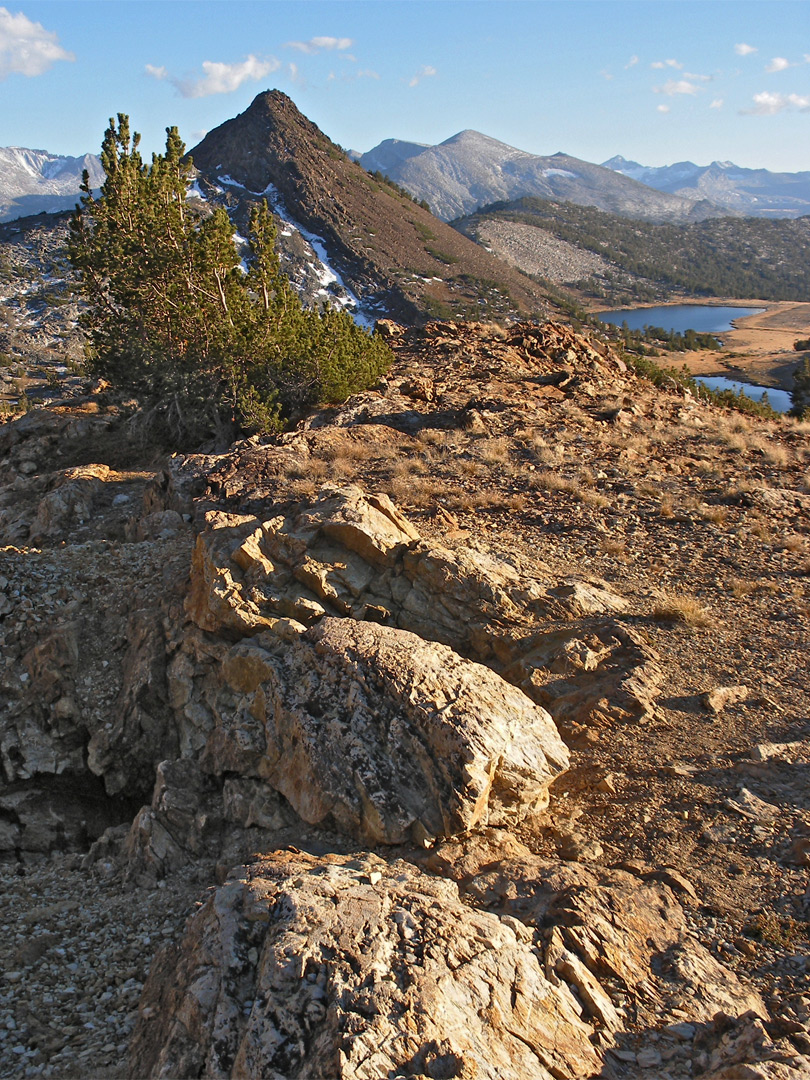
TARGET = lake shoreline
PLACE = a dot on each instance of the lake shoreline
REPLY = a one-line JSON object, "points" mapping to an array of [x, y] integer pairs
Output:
{"points": [[758, 349]]}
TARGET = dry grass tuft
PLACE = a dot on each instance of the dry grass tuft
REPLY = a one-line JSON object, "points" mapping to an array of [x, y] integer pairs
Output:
{"points": [[547, 480], [616, 548], [717, 515], [682, 609], [594, 498], [742, 587], [494, 451]]}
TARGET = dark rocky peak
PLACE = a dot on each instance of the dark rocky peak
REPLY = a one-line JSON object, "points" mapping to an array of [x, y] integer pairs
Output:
{"points": [[394, 255]]}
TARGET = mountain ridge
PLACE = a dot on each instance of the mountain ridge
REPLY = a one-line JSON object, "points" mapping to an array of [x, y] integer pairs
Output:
{"points": [[33, 181], [753, 192], [471, 169], [391, 253]]}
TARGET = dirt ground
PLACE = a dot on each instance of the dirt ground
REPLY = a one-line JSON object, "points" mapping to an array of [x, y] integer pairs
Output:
{"points": [[760, 347]]}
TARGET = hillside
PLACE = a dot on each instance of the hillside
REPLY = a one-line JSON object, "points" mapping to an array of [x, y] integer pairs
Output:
{"points": [[392, 254], [619, 261], [466, 726], [471, 170]]}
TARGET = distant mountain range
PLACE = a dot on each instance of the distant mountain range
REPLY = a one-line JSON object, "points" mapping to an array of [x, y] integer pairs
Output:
{"points": [[33, 181], [753, 192], [471, 170]]}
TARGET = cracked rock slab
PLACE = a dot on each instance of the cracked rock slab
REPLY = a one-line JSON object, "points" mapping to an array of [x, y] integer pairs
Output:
{"points": [[354, 969]]}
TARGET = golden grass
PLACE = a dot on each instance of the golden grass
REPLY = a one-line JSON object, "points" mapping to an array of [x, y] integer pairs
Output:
{"points": [[676, 608], [717, 515], [742, 587]]}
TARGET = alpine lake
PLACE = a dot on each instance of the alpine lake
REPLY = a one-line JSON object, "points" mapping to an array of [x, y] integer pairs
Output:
{"points": [[703, 319]]}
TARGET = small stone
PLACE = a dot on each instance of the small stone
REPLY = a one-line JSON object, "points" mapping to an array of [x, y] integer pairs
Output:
{"points": [[722, 696], [683, 1031], [648, 1058]]}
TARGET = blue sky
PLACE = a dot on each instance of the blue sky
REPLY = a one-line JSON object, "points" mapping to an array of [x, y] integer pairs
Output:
{"points": [[657, 81]]}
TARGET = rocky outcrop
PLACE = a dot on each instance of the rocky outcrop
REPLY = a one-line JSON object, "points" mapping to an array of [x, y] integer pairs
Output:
{"points": [[356, 968], [432, 743], [347, 966], [378, 732], [357, 557]]}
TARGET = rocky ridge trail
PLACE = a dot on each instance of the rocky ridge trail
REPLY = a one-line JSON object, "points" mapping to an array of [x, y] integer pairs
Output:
{"points": [[467, 721]]}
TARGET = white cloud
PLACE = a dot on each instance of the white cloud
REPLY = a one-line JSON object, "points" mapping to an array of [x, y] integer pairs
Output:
{"points": [[717, 103], [677, 86], [158, 73], [662, 108], [769, 104], [27, 48], [744, 50], [779, 63], [696, 78], [221, 78], [606, 75], [321, 44], [631, 62], [659, 65], [424, 72], [352, 77]]}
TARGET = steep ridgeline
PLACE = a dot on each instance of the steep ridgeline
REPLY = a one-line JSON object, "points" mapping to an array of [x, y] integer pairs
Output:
{"points": [[753, 192], [33, 181], [394, 255], [471, 170]]}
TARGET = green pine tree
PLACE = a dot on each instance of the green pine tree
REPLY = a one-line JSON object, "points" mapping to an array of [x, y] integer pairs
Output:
{"points": [[173, 317], [800, 395]]}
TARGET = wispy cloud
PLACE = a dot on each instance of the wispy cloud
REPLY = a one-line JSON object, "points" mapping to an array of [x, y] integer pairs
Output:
{"points": [[717, 103], [660, 65], [364, 73], [219, 78], [745, 50], [769, 104], [631, 62], [606, 75], [677, 86], [321, 44], [696, 78], [662, 108], [27, 48], [425, 72], [779, 63], [158, 73]]}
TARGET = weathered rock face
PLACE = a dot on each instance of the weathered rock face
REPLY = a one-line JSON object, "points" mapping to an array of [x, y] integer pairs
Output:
{"points": [[84, 705], [345, 966], [360, 727], [387, 735], [356, 556], [354, 968]]}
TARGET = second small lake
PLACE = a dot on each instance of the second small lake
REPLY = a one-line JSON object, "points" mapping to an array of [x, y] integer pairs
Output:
{"points": [[779, 400], [702, 318]]}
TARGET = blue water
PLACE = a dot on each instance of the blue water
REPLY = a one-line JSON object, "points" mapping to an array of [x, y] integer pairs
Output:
{"points": [[702, 318], [777, 399]]}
